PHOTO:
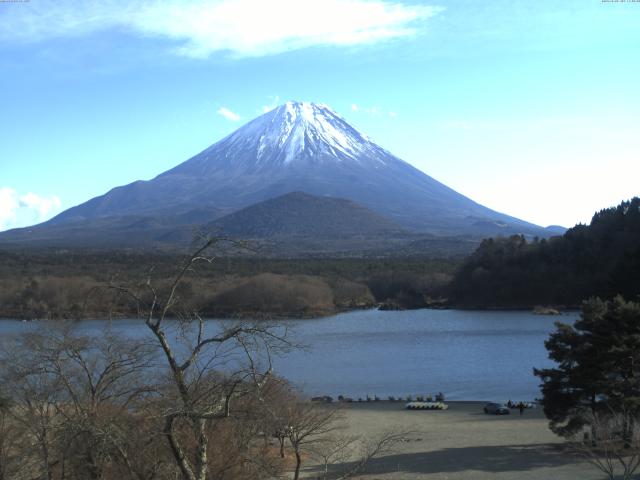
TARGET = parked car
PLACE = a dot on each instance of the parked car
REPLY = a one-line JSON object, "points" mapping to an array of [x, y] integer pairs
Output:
{"points": [[496, 409]]}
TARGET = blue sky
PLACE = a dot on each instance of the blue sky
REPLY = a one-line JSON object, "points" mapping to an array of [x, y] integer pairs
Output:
{"points": [[530, 108]]}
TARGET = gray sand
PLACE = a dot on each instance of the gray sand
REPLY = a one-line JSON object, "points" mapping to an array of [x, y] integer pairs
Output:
{"points": [[464, 443]]}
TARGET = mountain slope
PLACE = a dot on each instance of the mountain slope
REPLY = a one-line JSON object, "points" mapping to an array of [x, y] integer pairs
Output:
{"points": [[297, 147], [301, 214]]}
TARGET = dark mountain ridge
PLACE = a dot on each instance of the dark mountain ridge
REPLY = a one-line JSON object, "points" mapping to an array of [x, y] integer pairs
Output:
{"points": [[301, 214]]}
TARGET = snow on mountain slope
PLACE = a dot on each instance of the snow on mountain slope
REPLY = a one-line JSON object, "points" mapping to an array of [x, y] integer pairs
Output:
{"points": [[304, 147], [294, 128], [293, 133]]}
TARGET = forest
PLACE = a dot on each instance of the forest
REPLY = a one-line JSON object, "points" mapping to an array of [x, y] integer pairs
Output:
{"points": [[63, 285], [601, 259]]}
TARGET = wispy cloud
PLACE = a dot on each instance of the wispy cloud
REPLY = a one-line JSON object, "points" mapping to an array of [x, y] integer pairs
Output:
{"points": [[239, 27], [20, 210], [228, 114], [8, 206], [42, 205]]}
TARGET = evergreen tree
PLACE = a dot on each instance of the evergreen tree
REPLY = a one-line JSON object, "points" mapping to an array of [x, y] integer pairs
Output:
{"points": [[598, 367]]}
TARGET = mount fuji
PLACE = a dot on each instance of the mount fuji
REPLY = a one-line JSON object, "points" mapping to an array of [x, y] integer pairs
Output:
{"points": [[296, 147]]}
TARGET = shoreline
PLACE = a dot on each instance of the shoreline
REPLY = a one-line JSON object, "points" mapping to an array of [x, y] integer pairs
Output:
{"points": [[461, 403], [303, 315]]}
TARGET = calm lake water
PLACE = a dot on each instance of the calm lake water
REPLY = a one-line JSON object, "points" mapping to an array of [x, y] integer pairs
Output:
{"points": [[468, 355]]}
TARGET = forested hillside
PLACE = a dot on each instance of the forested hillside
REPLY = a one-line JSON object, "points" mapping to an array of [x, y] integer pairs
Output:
{"points": [[62, 285], [601, 259]]}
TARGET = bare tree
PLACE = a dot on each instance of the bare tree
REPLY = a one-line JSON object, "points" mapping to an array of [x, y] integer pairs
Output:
{"points": [[209, 369], [355, 452], [34, 399], [307, 426], [335, 450], [613, 444], [237, 452], [187, 402], [72, 394], [314, 429], [10, 433]]}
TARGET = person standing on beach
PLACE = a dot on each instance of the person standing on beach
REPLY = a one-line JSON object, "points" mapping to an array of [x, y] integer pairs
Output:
{"points": [[521, 408]]}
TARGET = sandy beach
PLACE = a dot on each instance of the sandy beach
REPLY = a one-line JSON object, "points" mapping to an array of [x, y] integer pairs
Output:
{"points": [[464, 443]]}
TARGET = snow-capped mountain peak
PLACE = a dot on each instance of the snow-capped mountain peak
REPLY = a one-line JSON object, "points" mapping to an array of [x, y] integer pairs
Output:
{"points": [[298, 131], [300, 147]]}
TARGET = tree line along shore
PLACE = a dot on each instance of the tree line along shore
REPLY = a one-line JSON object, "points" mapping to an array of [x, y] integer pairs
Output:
{"points": [[601, 259], [63, 285]]}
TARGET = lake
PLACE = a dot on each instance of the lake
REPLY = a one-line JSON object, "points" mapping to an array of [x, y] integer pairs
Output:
{"points": [[467, 355]]}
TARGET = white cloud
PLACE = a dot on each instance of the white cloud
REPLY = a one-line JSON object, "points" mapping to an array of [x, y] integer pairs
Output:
{"points": [[228, 114], [393, 114], [240, 27], [42, 205], [22, 210], [8, 206], [354, 107]]}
